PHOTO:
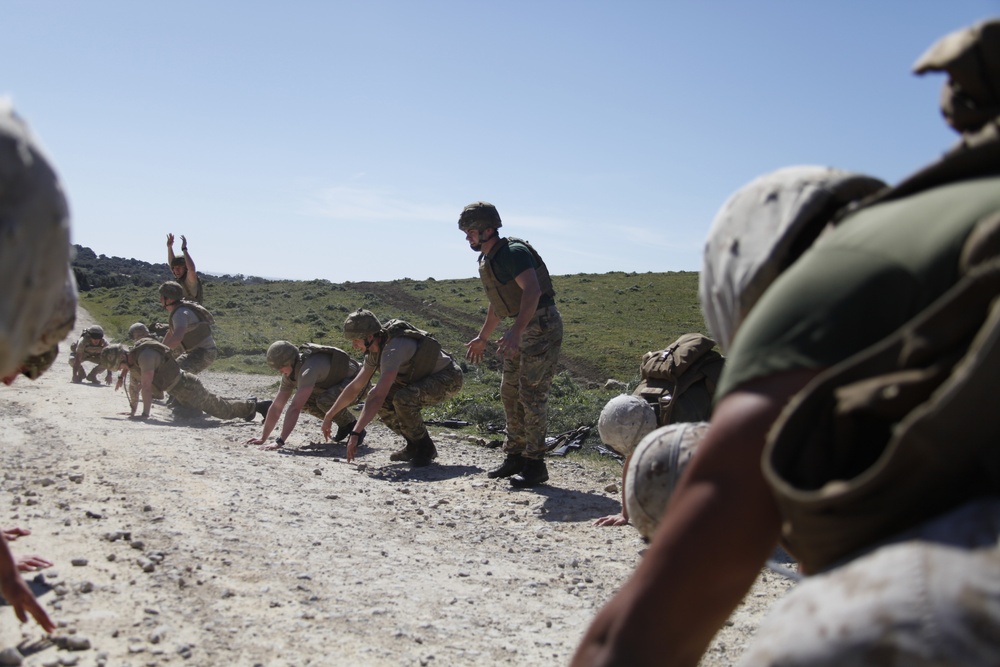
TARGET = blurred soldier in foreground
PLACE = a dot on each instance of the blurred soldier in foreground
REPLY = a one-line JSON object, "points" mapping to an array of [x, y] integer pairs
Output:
{"points": [[853, 421], [317, 374], [38, 302], [413, 372], [517, 285], [150, 366], [184, 271], [88, 348]]}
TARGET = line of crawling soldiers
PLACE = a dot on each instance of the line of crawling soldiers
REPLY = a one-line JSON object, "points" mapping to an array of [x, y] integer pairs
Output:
{"points": [[324, 381], [853, 423]]}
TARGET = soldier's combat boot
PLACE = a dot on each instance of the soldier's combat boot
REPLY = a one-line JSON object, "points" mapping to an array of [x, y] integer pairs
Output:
{"points": [[263, 407], [426, 452], [534, 473], [92, 377], [406, 453], [513, 464], [344, 430], [249, 417]]}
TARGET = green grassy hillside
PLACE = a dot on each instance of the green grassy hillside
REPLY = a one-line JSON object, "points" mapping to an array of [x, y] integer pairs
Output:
{"points": [[610, 319]]}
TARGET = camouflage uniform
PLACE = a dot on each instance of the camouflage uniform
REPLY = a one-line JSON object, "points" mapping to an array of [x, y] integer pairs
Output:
{"points": [[527, 377], [83, 350], [183, 386], [342, 369], [416, 387]]}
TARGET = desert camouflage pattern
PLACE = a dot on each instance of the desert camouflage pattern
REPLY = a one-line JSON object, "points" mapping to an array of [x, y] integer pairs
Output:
{"points": [[401, 410]]}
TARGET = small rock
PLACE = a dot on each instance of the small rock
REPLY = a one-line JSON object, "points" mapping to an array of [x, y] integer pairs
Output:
{"points": [[10, 656], [79, 562], [611, 488], [77, 643], [317, 471]]}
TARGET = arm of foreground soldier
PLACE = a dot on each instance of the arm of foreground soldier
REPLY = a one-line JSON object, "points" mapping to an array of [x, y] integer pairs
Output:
{"points": [[347, 398], [373, 403], [25, 563], [16, 592], [620, 519], [719, 527]]}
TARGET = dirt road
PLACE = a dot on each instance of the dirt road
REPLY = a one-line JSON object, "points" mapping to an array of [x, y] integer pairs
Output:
{"points": [[174, 543]]}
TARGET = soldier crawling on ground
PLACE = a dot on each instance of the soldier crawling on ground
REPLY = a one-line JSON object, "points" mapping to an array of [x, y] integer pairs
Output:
{"points": [[317, 374], [150, 366], [88, 348]]}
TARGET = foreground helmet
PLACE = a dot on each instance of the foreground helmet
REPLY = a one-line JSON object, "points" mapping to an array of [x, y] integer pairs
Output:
{"points": [[112, 355], [361, 324], [479, 215], [95, 332], [656, 465], [34, 247], [761, 230], [624, 421], [281, 354], [172, 290], [138, 330]]}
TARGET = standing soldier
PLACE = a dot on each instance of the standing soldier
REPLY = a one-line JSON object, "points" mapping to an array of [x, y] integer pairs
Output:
{"points": [[317, 374], [517, 285], [190, 329], [88, 348], [183, 270], [413, 372], [150, 366]]}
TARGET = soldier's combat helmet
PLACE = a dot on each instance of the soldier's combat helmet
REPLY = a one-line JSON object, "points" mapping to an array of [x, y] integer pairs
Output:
{"points": [[138, 330], [172, 290], [479, 215], [761, 230], [112, 355], [281, 353], [361, 324], [95, 332], [654, 470]]}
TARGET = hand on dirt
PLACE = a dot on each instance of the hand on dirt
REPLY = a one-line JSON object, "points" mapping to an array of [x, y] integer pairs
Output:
{"points": [[612, 520], [32, 563], [11, 534], [327, 429], [270, 447]]}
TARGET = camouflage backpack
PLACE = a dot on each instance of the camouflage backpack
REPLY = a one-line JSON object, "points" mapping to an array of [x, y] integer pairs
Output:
{"points": [[679, 381]]}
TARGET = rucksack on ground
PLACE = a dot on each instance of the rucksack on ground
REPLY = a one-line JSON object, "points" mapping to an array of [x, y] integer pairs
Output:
{"points": [[679, 381]]}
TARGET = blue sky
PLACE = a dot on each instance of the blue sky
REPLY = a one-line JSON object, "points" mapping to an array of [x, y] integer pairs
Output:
{"points": [[340, 140]]}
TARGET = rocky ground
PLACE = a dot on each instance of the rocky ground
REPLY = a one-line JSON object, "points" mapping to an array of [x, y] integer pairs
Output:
{"points": [[175, 543]]}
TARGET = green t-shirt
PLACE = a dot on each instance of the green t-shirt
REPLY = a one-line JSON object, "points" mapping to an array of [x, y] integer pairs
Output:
{"points": [[512, 261], [858, 284]]}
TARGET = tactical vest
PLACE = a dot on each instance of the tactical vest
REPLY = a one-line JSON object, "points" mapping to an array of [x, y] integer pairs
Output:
{"points": [[506, 298], [167, 373], [89, 349], [341, 364], [901, 431], [424, 360], [198, 332]]}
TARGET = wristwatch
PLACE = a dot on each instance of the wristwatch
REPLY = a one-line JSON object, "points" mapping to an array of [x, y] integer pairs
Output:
{"points": [[279, 442]]}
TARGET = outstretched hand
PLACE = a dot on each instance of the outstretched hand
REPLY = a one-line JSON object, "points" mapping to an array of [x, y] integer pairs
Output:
{"points": [[32, 563], [475, 349], [184, 243], [11, 534], [170, 240]]}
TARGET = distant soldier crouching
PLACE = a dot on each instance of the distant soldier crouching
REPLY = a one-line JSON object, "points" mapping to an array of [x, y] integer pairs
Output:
{"points": [[190, 329], [88, 348], [152, 367]]}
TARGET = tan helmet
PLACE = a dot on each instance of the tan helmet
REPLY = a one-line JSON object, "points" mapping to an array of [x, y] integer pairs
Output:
{"points": [[35, 251], [624, 421], [172, 290], [761, 230], [654, 470], [281, 353], [95, 332], [361, 324], [479, 215], [138, 330], [112, 355]]}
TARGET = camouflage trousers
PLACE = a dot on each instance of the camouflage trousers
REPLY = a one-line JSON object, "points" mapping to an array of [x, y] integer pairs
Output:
{"points": [[197, 359], [401, 410], [80, 374], [527, 378], [930, 596], [321, 400], [190, 392]]}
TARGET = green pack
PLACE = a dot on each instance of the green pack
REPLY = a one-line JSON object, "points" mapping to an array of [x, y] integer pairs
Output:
{"points": [[679, 381]]}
